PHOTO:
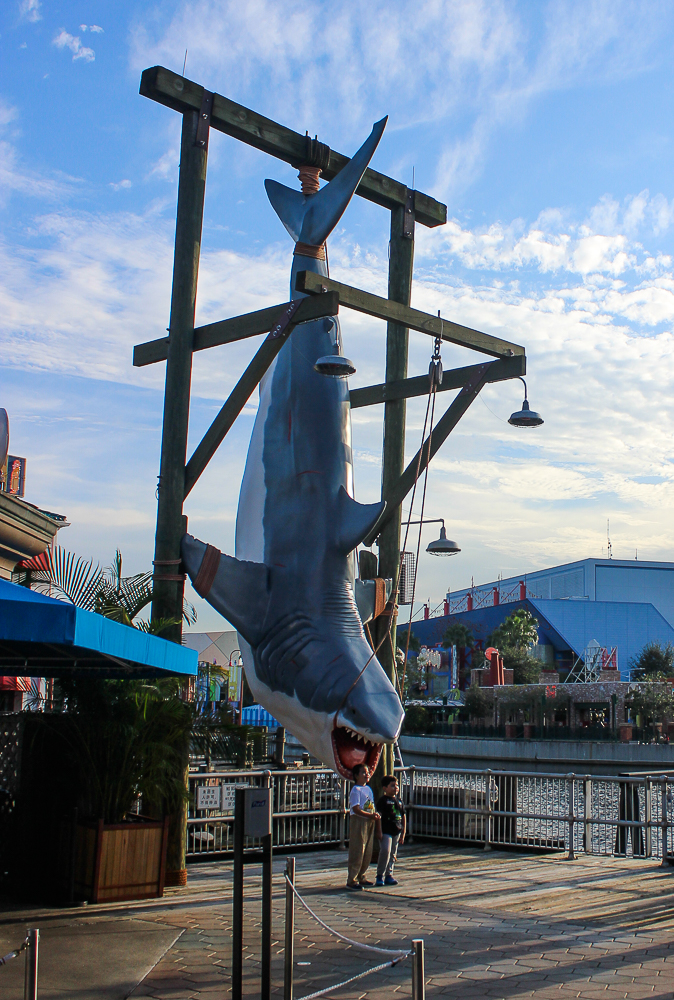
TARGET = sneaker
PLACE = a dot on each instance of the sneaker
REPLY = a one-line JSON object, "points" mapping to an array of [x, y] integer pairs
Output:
{"points": [[379, 882], [365, 881], [354, 886], [389, 880]]}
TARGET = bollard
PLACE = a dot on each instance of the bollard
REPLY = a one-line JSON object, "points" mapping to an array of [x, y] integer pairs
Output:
{"points": [[30, 979], [418, 972], [289, 949], [237, 895]]}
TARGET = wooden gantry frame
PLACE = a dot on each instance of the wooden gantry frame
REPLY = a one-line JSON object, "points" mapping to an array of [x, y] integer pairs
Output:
{"points": [[201, 111]]}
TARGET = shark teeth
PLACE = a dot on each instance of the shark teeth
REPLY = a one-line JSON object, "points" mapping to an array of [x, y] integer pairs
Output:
{"points": [[360, 737]]}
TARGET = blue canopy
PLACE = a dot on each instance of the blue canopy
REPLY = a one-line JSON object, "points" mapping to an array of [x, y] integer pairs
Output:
{"points": [[42, 637]]}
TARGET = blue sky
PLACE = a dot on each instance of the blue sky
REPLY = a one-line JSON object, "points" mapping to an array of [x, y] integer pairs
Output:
{"points": [[545, 127]]}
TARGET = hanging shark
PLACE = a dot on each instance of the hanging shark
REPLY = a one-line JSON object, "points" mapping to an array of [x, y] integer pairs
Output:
{"points": [[290, 590]]}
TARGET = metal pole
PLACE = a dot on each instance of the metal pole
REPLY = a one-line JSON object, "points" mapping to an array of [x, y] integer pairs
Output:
{"points": [[488, 817], [289, 949], [30, 979], [168, 583], [237, 897], [418, 972], [572, 814], [267, 861], [665, 821]]}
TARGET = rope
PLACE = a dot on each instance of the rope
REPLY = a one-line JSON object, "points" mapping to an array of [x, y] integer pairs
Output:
{"points": [[399, 953], [338, 986], [15, 953]]}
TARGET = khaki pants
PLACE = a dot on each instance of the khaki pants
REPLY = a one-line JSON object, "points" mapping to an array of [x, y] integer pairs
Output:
{"points": [[361, 841]]}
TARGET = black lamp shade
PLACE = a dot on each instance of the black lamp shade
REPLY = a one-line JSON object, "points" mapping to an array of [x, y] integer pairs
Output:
{"points": [[335, 365], [442, 546], [525, 417]]}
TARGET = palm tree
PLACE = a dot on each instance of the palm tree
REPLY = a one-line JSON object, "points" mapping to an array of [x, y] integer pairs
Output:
{"points": [[106, 591]]}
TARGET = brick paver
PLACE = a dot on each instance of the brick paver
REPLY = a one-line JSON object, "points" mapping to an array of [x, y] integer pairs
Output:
{"points": [[496, 926]]}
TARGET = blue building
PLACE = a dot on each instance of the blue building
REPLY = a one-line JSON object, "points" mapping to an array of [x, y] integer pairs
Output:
{"points": [[619, 603]]}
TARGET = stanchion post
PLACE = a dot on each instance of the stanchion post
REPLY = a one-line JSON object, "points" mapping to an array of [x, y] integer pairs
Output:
{"points": [[265, 972], [571, 785], [418, 972], [30, 979], [289, 949], [237, 899]]}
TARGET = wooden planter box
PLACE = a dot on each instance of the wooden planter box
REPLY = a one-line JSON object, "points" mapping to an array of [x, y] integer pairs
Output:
{"points": [[121, 861]]}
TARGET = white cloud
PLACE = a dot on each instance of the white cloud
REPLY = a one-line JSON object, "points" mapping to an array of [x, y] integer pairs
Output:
{"points": [[64, 40], [15, 176], [96, 28], [29, 10], [120, 185]]}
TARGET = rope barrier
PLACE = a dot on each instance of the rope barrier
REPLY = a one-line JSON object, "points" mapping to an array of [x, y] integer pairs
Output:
{"points": [[338, 986], [14, 954], [399, 953]]}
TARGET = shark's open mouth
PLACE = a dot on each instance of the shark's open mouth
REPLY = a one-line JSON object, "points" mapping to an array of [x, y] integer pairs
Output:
{"points": [[350, 748]]}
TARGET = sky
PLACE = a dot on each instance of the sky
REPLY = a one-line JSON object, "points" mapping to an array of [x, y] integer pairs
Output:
{"points": [[546, 128]]}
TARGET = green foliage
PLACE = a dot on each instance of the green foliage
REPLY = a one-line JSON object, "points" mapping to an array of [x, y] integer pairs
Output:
{"points": [[401, 641], [653, 700], [106, 591], [526, 668], [652, 660], [477, 703], [122, 738], [417, 720], [518, 631], [458, 635]]}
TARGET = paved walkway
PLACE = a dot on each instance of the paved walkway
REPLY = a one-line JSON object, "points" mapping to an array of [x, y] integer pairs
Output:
{"points": [[495, 925]]}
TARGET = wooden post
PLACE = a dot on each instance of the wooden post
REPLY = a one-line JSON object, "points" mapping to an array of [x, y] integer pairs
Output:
{"points": [[168, 581], [401, 262]]}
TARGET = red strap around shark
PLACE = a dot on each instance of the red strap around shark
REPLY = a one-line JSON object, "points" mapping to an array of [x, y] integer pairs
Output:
{"points": [[209, 567]]}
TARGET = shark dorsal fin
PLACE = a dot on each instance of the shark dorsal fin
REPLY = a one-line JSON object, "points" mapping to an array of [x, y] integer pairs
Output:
{"points": [[311, 218], [238, 589], [355, 520]]}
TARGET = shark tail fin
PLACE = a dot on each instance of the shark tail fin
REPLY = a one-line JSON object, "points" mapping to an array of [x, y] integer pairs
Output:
{"points": [[238, 590], [311, 218], [355, 520]]}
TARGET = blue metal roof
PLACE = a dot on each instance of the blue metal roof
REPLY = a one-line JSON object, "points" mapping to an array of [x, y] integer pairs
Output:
{"points": [[567, 625], [42, 637]]}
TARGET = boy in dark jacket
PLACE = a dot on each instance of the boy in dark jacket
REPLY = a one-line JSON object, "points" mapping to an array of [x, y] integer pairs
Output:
{"points": [[393, 826]]}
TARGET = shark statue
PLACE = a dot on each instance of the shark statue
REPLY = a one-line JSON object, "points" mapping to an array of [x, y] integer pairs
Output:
{"points": [[290, 590]]}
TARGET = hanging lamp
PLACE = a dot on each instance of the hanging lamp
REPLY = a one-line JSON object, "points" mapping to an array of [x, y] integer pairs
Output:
{"points": [[526, 417]]}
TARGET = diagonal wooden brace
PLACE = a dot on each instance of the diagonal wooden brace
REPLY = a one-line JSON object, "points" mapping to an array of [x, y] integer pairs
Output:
{"points": [[285, 323], [432, 445]]}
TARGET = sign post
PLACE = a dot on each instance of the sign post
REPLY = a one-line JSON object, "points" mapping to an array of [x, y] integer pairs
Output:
{"points": [[252, 818]]}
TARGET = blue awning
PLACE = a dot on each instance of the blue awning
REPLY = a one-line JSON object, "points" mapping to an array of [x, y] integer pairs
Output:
{"points": [[42, 637]]}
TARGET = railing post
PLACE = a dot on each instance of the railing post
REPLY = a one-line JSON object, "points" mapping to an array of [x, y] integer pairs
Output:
{"points": [[342, 814], [587, 833], [289, 949], [411, 819], [664, 821], [418, 971], [488, 816], [30, 978], [571, 820], [648, 817]]}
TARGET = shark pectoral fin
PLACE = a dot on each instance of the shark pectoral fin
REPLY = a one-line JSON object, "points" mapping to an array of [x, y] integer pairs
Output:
{"points": [[238, 590], [325, 208], [355, 520], [289, 205]]}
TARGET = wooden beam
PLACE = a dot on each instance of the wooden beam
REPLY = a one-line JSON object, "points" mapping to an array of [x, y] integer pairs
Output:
{"points": [[174, 91], [434, 326], [238, 398], [456, 378], [431, 446], [227, 331]]}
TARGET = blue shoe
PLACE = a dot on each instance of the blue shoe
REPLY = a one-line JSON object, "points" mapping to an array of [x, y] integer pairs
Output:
{"points": [[379, 882], [389, 880]]}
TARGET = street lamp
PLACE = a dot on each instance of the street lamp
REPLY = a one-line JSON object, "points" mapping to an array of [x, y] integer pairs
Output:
{"points": [[442, 546], [525, 417]]}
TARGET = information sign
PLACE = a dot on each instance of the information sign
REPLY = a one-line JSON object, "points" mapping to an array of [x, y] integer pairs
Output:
{"points": [[208, 797]]}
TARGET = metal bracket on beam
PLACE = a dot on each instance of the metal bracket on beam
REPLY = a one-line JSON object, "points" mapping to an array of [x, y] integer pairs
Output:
{"points": [[408, 218], [203, 125]]}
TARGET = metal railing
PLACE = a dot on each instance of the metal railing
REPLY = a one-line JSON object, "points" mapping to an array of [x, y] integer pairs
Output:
{"points": [[627, 815], [309, 808]]}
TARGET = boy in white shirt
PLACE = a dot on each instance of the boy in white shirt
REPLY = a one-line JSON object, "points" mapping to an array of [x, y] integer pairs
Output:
{"points": [[361, 828]]}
